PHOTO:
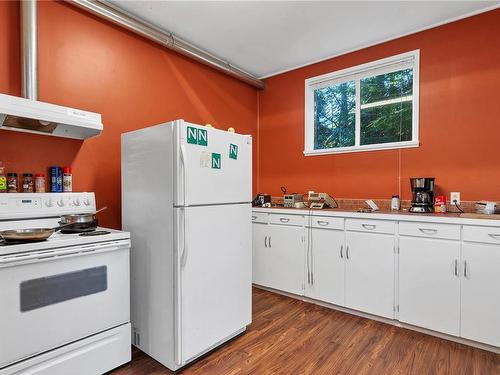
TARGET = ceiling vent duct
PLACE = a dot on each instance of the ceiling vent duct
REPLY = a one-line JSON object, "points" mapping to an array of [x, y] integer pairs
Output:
{"points": [[27, 114]]}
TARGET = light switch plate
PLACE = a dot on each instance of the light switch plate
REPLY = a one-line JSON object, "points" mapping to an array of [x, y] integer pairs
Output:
{"points": [[455, 195]]}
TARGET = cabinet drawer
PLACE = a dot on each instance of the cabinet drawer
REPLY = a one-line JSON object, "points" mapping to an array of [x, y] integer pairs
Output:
{"points": [[377, 226], [297, 220], [259, 217], [325, 222], [430, 230], [481, 234]]}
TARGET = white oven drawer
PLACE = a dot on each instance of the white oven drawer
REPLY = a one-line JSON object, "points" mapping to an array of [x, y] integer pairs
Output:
{"points": [[430, 230], [297, 220], [377, 226], [325, 222], [54, 297]]}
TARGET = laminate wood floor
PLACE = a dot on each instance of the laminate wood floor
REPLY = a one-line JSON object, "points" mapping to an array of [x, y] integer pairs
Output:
{"points": [[288, 336]]}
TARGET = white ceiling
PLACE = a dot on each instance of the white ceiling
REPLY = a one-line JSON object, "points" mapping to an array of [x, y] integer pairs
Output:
{"points": [[269, 37]]}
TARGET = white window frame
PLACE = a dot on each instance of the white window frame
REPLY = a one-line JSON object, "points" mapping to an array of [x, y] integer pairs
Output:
{"points": [[390, 64]]}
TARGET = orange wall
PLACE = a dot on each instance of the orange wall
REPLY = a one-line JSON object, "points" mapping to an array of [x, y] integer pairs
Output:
{"points": [[87, 63], [459, 121]]}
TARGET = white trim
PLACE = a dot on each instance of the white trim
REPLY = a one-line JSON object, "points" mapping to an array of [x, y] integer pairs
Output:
{"points": [[385, 40], [401, 61]]}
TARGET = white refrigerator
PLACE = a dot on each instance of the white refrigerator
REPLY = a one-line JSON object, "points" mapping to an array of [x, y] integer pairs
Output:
{"points": [[186, 192]]}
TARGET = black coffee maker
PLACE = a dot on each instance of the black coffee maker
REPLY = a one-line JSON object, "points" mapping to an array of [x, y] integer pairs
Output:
{"points": [[423, 194]]}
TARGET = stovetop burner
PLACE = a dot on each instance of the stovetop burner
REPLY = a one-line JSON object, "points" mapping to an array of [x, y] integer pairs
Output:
{"points": [[9, 243]]}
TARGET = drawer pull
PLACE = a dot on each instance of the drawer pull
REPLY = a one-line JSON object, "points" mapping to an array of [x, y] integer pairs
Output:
{"points": [[369, 226], [323, 223], [494, 236], [284, 219], [254, 217], [428, 231]]}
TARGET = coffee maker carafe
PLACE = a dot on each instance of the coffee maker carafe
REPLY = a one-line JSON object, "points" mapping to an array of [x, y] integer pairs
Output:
{"points": [[423, 194]]}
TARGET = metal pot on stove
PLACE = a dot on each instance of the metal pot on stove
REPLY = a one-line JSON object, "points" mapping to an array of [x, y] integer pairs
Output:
{"points": [[79, 223]]}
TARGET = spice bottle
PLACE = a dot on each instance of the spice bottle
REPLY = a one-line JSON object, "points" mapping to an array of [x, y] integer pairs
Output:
{"points": [[67, 180], [12, 182], [3, 179], [40, 183], [27, 183]]}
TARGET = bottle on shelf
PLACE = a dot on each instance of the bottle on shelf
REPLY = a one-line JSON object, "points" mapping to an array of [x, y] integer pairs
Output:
{"points": [[27, 183], [12, 182], [39, 183], [67, 180], [3, 179]]}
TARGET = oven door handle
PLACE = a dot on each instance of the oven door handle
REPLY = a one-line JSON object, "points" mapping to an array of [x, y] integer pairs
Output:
{"points": [[44, 255]]}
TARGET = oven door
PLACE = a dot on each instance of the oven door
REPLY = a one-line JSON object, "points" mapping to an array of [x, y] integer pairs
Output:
{"points": [[50, 298]]}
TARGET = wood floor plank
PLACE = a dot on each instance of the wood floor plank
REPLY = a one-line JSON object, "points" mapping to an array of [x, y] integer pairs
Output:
{"points": [[288, 336]]}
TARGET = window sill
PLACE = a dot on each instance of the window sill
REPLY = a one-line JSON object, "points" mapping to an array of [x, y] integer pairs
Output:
{"points": [[345, 150]]}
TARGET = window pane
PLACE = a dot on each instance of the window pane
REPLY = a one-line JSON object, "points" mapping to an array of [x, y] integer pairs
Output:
{"points": [[386, 123], [387, 86], [334, 116]]}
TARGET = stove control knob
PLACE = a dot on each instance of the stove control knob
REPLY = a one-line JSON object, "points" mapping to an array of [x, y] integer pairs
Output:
{"points": [[49, 203], [86, 202], [60, 203], [76, 202]]}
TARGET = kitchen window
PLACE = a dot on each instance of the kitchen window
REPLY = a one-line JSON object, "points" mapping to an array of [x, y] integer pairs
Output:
{"points": [[373, 106]]}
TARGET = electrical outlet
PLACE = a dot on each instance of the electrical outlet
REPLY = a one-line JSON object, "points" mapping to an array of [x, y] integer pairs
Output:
{"points": [[455, 196]]}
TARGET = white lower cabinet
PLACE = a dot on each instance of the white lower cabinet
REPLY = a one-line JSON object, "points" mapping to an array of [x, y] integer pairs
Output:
{"points": [[325, 265], [369, 273], [429, 284], [278, 257], [481, 293]]}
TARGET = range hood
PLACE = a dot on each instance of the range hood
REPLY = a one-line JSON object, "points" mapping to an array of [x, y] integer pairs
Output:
{"points": [[33, 116], [27, 114]]}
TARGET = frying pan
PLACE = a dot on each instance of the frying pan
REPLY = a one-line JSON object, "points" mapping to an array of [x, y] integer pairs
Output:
{"points": [[29, 235]]}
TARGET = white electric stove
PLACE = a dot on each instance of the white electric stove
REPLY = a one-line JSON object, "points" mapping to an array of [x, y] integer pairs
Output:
{"points": [[64, 302]]}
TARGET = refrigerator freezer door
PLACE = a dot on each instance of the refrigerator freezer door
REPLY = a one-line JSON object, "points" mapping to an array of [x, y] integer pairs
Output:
{"points": [[214, 268], [213, 166]]}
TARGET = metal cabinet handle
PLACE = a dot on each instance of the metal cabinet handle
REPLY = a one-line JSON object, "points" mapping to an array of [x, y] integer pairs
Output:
{"points": [[369, 226], [284, 219], [265, 241], [270, 241], [254, 217], [428, 231], [465, 269], [347, 252], [323, 223], [342, 251], [456, 267]]}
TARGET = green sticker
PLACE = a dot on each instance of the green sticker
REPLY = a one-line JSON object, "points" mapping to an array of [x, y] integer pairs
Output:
{"points": [[202, 137], [215, 160], [233, 151], [197, 136], [192, 135]]}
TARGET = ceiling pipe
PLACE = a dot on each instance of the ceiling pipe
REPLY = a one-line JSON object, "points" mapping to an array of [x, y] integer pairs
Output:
{"points": [[112, 13], [29, 49]]}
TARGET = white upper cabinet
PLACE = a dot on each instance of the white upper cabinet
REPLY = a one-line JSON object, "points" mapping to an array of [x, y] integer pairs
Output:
{"points": [[429, 284], [370, 273]]}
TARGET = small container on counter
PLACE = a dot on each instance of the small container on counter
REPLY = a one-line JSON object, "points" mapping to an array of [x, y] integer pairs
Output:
{"points": [[39, 183], [12, 182], [27, 183], [395, 203], [67, 180], [440, 204], [3, 179]]}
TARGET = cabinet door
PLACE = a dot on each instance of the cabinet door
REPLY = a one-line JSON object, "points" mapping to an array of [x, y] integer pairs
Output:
{"points": [[260, 264], [369, 278], [285, 257], [325, 260], [481, 293], [429, 286]]}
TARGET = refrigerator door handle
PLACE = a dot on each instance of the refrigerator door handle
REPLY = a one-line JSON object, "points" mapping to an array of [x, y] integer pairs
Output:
{"points": [[185, 239], [184, 165]]}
